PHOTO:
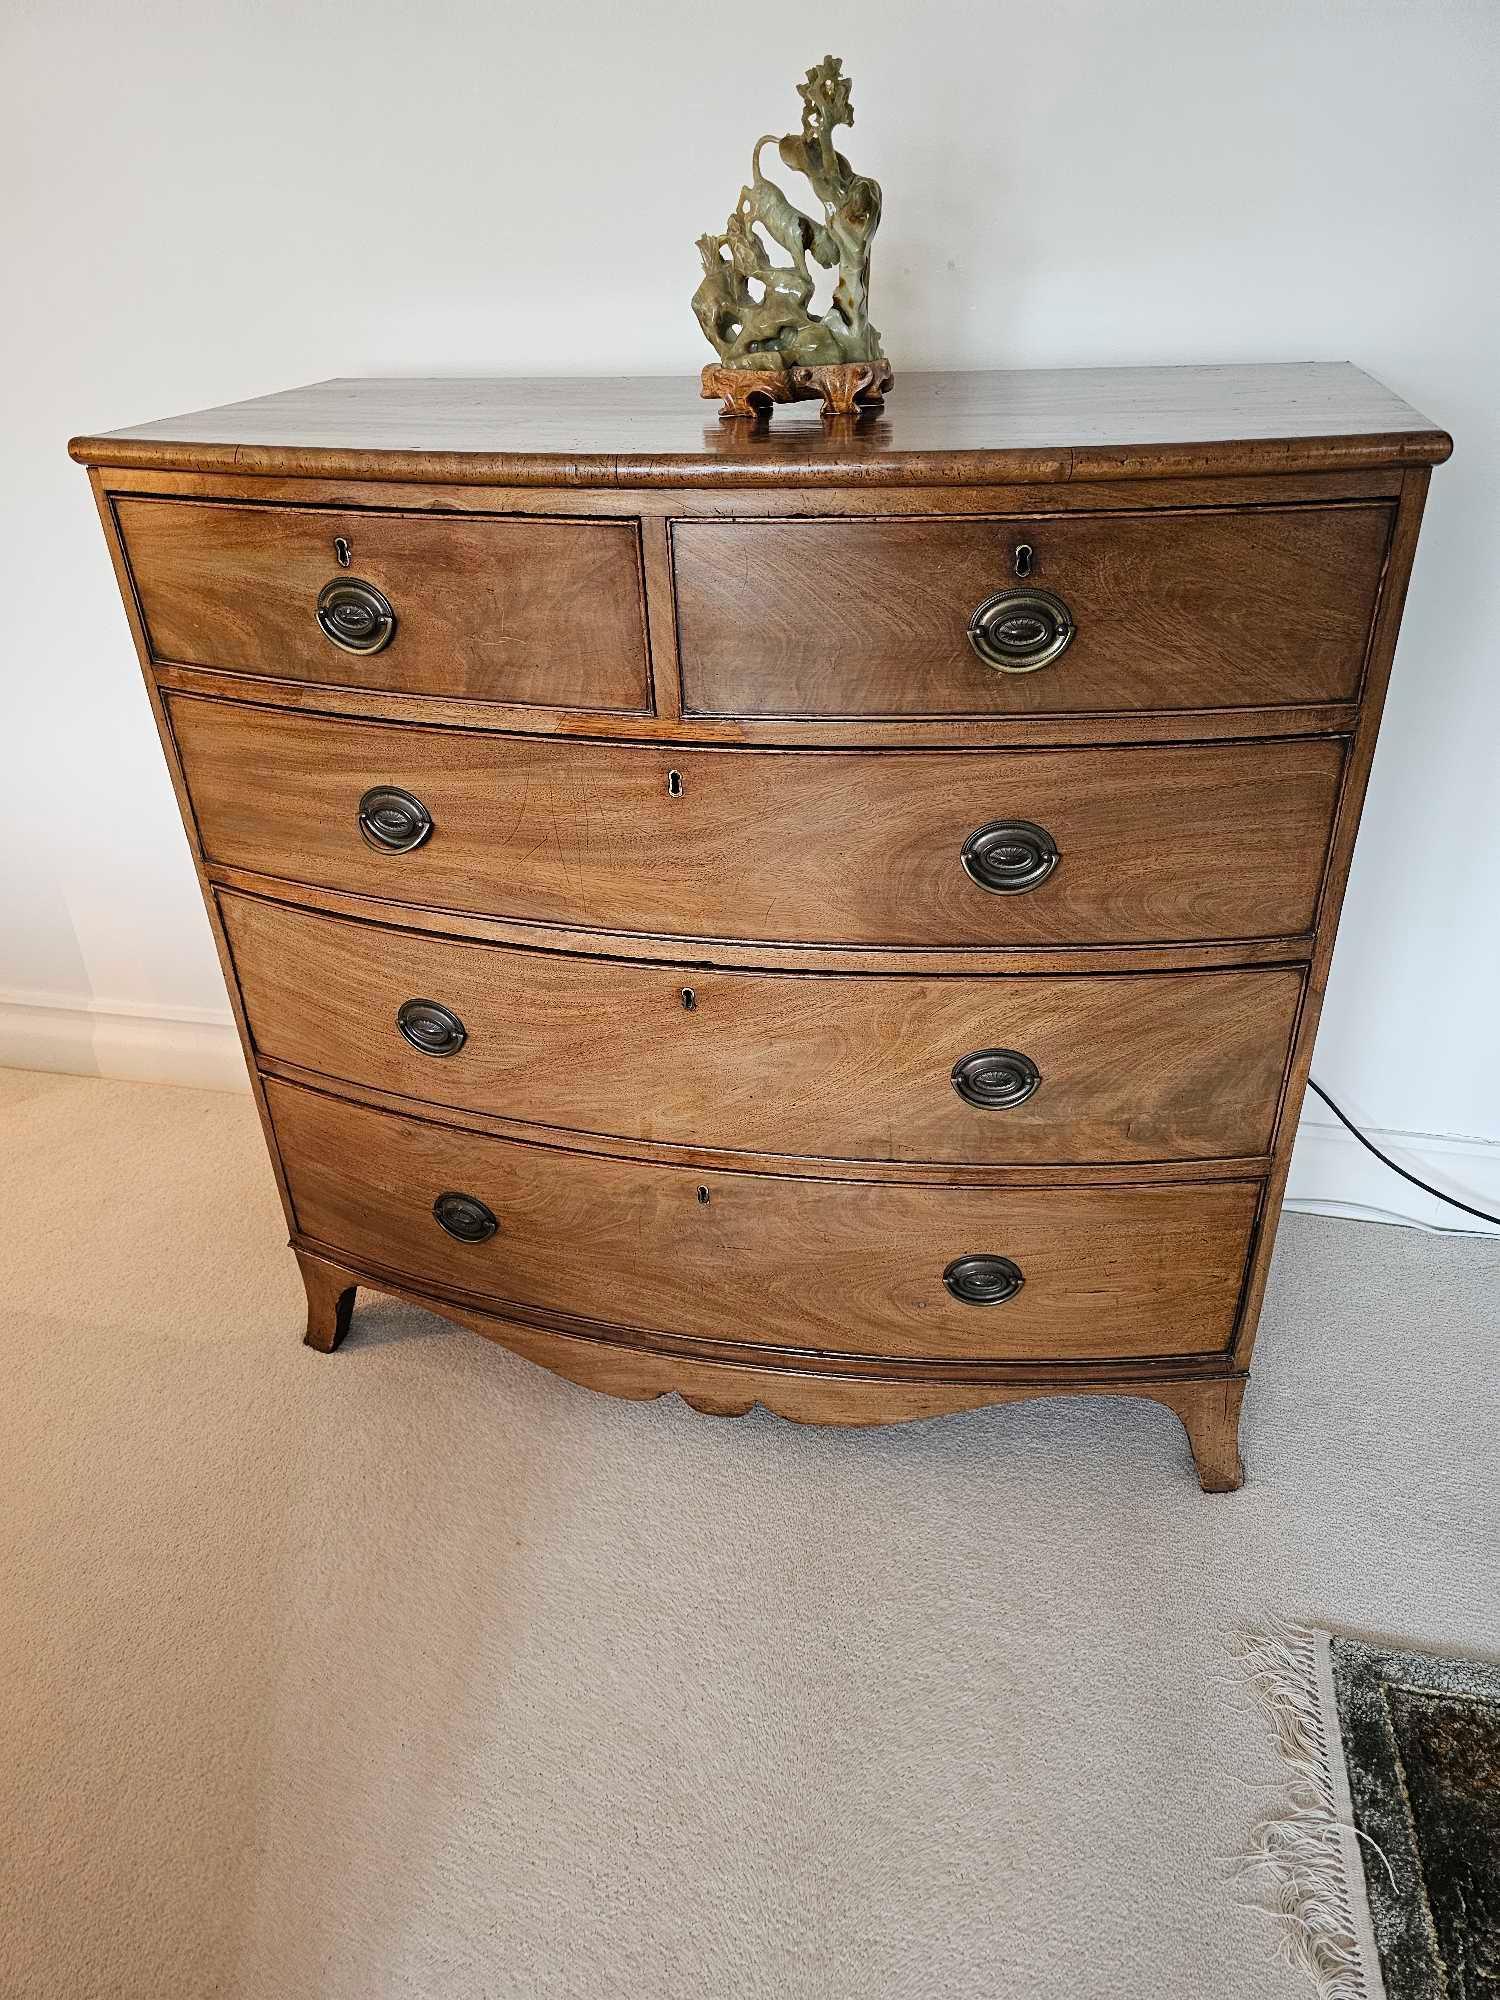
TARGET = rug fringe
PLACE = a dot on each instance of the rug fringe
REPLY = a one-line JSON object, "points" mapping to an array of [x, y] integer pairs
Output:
{"points": [[1300, 1855]]}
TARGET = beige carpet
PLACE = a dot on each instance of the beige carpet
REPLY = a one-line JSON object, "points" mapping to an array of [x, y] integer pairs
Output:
{"points": [[416, 1672]]}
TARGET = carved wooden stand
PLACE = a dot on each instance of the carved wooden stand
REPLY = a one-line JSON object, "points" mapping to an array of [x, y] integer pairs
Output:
{"points": [[844, 388], [1209, 1411]]}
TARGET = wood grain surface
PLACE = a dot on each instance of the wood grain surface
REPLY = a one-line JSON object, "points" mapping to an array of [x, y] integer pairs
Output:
{"points": [[1166, 1066], [1157, 844], [807, 1391], [753, 1197], [823, 1389], [836, 1266], [1228, 609], [983, 427], [752, 956], [507, 611]]}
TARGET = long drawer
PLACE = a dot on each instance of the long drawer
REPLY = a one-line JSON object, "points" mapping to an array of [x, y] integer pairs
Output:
{"points": [[1129, 845], [1021, 1070], [831, 1266], [1112, 612], [508, 610]]}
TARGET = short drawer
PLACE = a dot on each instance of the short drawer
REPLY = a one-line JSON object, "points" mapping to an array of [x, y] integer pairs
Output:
{"points": [[1022, 1070], [1269, 606], [540, 612], [833, 1266], [1131, 845]]}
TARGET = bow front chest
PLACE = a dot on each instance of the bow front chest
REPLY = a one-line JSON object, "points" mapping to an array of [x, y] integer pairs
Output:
{"points": [[829, 914]]}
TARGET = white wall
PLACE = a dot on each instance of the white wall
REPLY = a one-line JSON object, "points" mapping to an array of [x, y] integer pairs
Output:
{"points": [[209, 201]]}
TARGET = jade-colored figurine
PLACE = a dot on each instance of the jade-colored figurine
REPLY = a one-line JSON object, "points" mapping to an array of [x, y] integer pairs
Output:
{"points": [[771, 348]]}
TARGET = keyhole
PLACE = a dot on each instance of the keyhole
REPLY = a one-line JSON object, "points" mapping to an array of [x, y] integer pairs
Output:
{"points": [[689, 999], [703, 1194], [343, 551], [674, 784], [1023, 559]]}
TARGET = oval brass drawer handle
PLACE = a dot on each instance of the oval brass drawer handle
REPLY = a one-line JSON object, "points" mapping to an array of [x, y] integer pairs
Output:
{"points": [[394, 820], [983, 1281], [1020, 630], [431, 1027], [995, 1079], [465, 1217], [1009, 856], [355, 615]]}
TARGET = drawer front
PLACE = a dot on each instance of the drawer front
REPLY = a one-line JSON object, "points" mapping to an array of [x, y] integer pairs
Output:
{"points": [[1020, 1070], [1221, 609], [842, 1267], [504, 610], [1151, 845]]}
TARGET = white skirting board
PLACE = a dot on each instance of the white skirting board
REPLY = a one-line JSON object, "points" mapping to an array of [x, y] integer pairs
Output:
{"points": [[196, 1046], [1332, 1173]]}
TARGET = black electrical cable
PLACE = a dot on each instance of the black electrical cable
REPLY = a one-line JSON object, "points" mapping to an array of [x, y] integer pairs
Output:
{"points": [[1426, 1186]]}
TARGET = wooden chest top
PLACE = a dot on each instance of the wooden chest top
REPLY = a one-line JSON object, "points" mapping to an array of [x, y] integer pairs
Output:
{"points": [[995, 426]]}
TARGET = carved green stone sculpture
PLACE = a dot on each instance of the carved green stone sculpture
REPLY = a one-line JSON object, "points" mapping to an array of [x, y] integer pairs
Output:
{"points": [[755, 310]]}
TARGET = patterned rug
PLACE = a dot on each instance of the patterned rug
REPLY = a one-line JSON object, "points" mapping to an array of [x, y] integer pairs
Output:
{"points": [[1385, 1866]]}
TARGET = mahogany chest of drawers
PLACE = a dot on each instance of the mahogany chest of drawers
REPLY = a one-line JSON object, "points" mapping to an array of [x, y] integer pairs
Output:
{"points": [[830, 914]]}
